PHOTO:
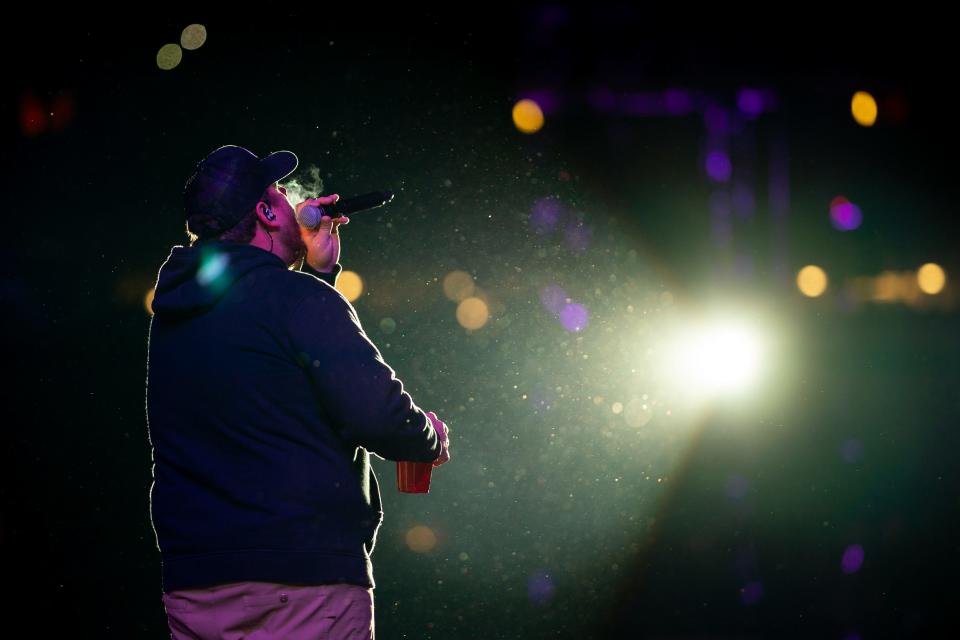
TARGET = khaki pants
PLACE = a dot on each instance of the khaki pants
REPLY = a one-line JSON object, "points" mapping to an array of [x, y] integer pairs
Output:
{"points": [[264, 611]]}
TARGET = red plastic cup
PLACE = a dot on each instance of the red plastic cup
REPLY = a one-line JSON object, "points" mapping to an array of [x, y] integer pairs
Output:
{"points": [[414, 477]]}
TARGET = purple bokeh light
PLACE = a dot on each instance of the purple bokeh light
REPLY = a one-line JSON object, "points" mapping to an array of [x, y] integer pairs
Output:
{"points": [[750, 102], [719, 167], [751, 593], [852, 559], [544, 215], [845, 215], [578, 237], [574, 317], [540, 587], [677, 102]]}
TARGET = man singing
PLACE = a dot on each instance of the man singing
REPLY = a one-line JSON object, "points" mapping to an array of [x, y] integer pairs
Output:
{"points": [[264, 395]]}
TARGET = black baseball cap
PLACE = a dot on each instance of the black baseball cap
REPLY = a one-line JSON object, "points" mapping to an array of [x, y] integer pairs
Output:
{"points": [[227, 185]]}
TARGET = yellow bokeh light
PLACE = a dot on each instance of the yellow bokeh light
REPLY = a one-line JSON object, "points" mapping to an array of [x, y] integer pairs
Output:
{"points": [[193, 37], [472, 313], [931, 278], [527, 116], [421, 539], [812, 281], [458, 285], [169, 56], [864, 109], [886, 287], [148, 301], [350, 284]]}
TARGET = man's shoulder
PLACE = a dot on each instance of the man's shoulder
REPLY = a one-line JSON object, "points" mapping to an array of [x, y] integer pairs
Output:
{"points": [[306, 287]]}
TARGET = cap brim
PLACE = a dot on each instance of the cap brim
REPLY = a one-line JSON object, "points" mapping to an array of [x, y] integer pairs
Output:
{"points": [[278, 165]]}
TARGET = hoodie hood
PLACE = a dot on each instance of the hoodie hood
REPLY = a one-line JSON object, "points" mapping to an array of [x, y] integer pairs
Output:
{"points": [[194, 279]]}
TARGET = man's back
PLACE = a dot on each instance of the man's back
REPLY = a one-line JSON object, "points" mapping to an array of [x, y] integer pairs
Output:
{"points": [[261, 468]]}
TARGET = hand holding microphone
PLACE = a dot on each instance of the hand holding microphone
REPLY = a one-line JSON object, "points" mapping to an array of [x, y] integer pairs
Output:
{"points": [[322, 240], [312, 212], [320, 218]]}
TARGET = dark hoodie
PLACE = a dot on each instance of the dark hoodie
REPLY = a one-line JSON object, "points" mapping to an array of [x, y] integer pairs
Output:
{"points": [[263, 396]]}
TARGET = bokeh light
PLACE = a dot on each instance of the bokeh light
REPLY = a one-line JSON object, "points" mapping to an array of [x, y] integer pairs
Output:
{"points": [[723, 357], [750, 102], [213, 266], [887, 287], [527, 116], [421, 539], [540, 587], [844, 215], [751, 593], [388, 325], [852, 559], [458, 285], [719, 167], [812, 281], [350, 284], [577, 237], [33, 115], [472, 313], [169, 56], [677, 102], [574, 317], [931, 278], [193, 37], [864, 108], [61, 111], [544, 215]]}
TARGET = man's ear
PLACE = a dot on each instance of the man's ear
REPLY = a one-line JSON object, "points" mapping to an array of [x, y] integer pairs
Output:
{"points": [[265, 211]]}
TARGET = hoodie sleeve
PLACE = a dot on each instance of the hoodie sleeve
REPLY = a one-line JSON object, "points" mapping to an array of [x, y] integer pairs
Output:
{"points": [[330, 278], [359, 391]]}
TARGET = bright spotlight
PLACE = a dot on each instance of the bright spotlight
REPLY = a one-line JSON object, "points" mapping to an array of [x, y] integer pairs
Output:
{"points": [[717, 359]]}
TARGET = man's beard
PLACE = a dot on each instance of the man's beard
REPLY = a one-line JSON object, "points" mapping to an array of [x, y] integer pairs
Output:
{"points": [[300, 248]]}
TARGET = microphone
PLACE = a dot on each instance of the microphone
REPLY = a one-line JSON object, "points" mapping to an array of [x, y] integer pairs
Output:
{"points": [[309, 216]]}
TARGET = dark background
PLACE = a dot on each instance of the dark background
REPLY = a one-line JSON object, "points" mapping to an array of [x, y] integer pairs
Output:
{"points": [[547, 523]]}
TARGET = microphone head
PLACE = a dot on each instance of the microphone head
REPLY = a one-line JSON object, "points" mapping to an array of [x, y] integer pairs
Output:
{"points": [[309, 217]]}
